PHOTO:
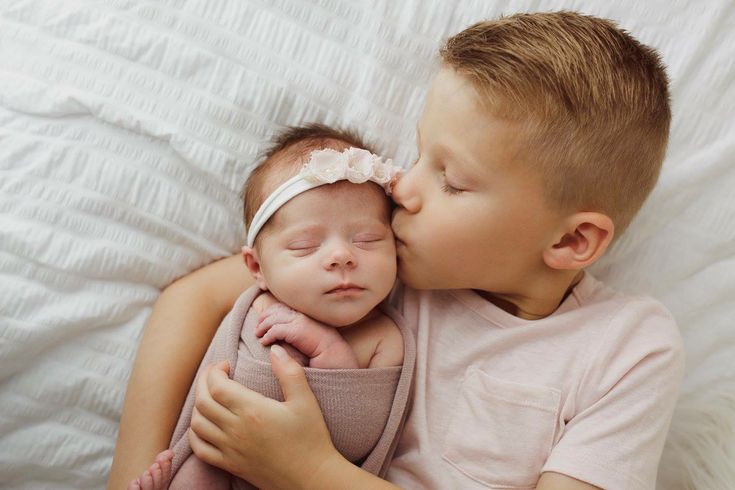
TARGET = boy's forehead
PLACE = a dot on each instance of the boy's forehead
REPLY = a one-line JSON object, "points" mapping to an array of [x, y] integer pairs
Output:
{"points": [[458, 124], [452, 87]]}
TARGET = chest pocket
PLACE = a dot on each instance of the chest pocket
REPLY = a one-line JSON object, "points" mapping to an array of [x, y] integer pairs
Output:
{"points": [[501, 432]]}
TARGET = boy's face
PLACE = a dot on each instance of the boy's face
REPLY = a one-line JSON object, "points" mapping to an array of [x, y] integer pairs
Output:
{"points": [[325, 238], [471, 215]]}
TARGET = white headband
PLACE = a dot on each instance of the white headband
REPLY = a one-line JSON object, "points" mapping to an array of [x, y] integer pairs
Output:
{"points": [[326, 167]]}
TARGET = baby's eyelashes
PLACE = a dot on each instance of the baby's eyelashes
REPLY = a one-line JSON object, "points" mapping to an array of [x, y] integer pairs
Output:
{"points": [[367, 238], [303, 249], [302, 245]]}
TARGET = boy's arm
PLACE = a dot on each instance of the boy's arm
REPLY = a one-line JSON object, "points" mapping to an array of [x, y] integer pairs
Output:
{"points": [[343, 474], [557, 481], [176, 336]]}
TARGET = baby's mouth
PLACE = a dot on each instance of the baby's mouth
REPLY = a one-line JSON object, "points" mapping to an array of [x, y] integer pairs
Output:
{"points": [[346, 288]]}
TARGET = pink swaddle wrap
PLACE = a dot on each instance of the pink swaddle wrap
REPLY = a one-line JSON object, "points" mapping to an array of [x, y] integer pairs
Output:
{"points": [[364, 409]]}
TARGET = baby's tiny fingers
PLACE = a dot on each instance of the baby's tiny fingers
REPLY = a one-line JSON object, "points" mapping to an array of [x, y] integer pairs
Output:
{"points": [[271, 335], [261, 328], [265, 324], [268, 320]]}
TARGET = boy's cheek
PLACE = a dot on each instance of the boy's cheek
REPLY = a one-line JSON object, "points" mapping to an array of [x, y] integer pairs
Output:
{"points": [[408, 276]]}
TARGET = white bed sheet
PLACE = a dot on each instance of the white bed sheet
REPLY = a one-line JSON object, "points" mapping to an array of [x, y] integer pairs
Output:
{"points": [[127, 128]]}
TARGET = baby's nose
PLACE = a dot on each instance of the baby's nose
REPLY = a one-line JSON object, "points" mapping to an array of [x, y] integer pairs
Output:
{"points": [[341, 256]]}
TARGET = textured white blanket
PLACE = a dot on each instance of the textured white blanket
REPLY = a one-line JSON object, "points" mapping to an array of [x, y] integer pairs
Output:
{"points": [[127, 128]]}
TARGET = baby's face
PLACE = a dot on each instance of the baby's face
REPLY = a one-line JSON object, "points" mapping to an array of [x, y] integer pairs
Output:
{"points": [[330, 252]]}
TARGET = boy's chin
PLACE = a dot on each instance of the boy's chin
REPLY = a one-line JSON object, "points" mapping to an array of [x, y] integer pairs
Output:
{"points": [[413, 281]]}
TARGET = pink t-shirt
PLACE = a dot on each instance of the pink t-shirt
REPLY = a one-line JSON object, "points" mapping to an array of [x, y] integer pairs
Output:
{"points": [[587, 391]]}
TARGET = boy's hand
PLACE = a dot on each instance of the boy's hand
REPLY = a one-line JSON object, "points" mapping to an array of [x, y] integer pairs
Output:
{"points": [[321, 343], [269, 443]]}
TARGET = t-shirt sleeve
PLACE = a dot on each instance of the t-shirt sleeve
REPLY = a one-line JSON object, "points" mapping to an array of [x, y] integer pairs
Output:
{"points": [[625, 401]]}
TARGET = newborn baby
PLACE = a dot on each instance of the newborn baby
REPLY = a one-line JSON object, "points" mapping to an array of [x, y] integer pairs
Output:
{"points": [[322, 253]]}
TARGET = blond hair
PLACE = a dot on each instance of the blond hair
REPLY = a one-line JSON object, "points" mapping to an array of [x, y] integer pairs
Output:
{"points": [[284, 158], [593, 100]]}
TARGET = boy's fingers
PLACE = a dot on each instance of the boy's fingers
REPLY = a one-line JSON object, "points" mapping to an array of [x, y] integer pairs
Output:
{"points": [[205, 451], [205, 429], [290, 375], [227, 395], [295, 354], [205, 403]]}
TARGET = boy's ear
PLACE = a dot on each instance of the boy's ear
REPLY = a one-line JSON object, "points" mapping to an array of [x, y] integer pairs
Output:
{"points": [[250, 257], [583, 240]]}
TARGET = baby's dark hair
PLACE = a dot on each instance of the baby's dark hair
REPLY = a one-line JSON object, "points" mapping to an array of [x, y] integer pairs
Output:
{"points": [[295, 143]]}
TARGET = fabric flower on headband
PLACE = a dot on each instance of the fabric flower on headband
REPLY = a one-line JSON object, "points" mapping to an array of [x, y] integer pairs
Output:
{"points": [[326, 167], [354, 164]]}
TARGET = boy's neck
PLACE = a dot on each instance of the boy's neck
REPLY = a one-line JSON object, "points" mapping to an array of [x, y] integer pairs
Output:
{"points": [[541, 300]]}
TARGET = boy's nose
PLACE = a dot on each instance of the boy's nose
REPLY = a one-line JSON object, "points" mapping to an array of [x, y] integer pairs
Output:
{"points": [[404, 192]]}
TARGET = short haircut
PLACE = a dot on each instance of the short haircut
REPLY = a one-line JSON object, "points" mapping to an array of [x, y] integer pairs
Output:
{"points": [[285, 156], [594, 103]]}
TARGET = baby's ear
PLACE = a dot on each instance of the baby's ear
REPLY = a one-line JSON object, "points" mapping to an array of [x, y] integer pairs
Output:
{"points": [[250, 257], [583, 238]]}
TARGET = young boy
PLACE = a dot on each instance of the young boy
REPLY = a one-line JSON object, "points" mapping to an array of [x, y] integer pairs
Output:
{"points": [[541, 137]]}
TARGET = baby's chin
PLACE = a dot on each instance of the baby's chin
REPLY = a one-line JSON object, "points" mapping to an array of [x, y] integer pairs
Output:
{"points": [[339, 319]]}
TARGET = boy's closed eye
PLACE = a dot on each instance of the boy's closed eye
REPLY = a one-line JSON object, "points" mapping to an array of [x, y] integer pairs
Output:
{"points": [[447, 187]]}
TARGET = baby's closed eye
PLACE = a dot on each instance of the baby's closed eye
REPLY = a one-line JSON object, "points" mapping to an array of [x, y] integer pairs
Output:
{"points": [[303, 247], [369, 240]]}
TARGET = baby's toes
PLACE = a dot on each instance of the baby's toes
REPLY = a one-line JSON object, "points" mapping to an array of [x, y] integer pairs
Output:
{"points": [[134, 485], [157, 475], [165, 460], [146, 481]]}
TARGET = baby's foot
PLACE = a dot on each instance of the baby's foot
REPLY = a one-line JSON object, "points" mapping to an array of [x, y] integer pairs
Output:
{"points": [[158, 476]]}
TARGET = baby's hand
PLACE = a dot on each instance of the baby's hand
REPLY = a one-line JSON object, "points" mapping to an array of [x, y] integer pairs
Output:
{"points": [[323, 344]]}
